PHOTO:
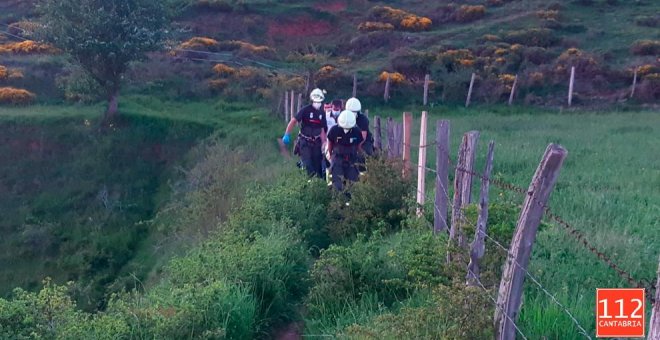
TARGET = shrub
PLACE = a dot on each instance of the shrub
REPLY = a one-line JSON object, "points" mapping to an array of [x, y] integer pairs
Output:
{"points": [[648, 69], [224, 70], [388, 268], [272, 264], [370, 26], [584, 63], [646, 47], [456, 59], [491, 38], [24, 28], [199, 43], [649, 88], [28, 47], [395, 77], [415, 23], [245, 48], [648, 21], [467, 13], [449, 315], [4, 73], [78, 86], [412, 62], [541, 37], [378, 201], [14, 96], [548, 15]]}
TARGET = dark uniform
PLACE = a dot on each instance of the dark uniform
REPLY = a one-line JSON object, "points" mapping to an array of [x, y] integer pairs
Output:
{"points": [[362, 121], [344, 154], [308, 144]]}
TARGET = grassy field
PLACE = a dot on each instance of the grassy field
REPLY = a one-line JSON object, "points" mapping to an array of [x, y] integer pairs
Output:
{"points": [[604, 190]]}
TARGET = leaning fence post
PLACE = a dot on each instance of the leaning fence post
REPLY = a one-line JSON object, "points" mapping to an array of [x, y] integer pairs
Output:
{"points": [[442, 179], [398, 132], [513, 90], [654, 324], [427, 79], [469, 96], [462, 187], [478, 248], [570, 86], [407, 129], [634, 84], [378, 134], [511, 285], [386, 94], [421, 167], [291, 98], [354, 85]]}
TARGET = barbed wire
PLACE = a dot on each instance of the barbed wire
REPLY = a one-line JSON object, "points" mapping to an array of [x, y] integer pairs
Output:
{"points": [[465, 220], [572, 231]]}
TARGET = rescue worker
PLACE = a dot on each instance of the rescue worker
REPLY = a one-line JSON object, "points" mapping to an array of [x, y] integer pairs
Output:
{"points": [[313, 130], [344, 142], [362, 121], [332, 111]]}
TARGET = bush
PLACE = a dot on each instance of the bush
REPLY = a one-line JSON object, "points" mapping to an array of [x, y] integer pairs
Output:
{"points": [[28, 47], [199, 44], [399, 18], [415, 23], [272, 264], [648, 21], [455, 312], [78, 86], [541, 37], [395, 77], [646, 47], [370, 26], [387, 268], [412, 62], [13, 96], [378, 202], [548, 15], [467, 13]]}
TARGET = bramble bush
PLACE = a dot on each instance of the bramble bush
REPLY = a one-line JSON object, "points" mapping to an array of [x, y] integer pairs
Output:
{"points": [[14, 96]]}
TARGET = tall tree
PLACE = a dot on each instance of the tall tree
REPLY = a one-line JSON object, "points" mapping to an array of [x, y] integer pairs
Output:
{"points": [[104, 36]]}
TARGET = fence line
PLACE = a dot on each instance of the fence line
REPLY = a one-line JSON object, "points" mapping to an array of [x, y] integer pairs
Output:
{"points": [[465, 219]]}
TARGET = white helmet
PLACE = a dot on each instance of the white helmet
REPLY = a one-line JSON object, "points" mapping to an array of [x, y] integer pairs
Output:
{"points": [[317, 96], [346, 120], [354, 105]]}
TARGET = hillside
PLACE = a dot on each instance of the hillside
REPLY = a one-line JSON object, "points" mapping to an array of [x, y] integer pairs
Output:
{"points": [[287, 41]]}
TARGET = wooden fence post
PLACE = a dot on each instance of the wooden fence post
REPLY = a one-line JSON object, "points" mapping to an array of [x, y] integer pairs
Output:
{"points": [[427, 79], [570, 86], [421, 166], [299, 101], [469, 96], [478, 248], [390, 138], [654, 324], [442, 179], [378, 134], [386, 95], [291, 98], [513, 90], [286, 106], [407, 129], [398, 132], [511, 285], [634, 84], [354, 85], [462, 186]]}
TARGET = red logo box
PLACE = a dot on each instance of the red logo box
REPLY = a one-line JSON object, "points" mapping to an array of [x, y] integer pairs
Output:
{"points": [[620, 313]]}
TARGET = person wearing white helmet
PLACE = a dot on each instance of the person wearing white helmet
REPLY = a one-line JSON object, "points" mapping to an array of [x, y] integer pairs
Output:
{"points": [[313, 130], [344, 141], [362, 121]]}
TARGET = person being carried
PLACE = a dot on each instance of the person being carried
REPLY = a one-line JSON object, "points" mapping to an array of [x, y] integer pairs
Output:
{"points": [[313, 130], [344, 142], [362, 121]]}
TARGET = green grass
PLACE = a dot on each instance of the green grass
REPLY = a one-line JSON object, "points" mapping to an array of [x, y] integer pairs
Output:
{"points": [[604, 190]]}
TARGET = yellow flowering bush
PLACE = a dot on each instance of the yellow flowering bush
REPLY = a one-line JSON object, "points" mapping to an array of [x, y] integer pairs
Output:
{"points": [[646, 47], [14, 96], [395, 77], [28, 47], [198, 43], [416, 23], [224, 70]]}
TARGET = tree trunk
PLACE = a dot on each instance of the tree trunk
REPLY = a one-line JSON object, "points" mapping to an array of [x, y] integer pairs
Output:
{"points": [[113, 105]]}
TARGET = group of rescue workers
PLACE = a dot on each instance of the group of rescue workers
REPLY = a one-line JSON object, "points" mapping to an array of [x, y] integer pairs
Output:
{"points": [[333, 139]]}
